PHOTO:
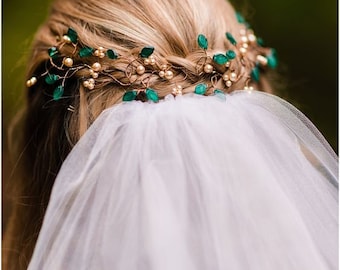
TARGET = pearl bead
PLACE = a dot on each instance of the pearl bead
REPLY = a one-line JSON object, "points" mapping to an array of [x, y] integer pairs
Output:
{"points": [[169, 75], [244, 39], [245, 45], [251, 88], [96, 52], [233, 76], [101, 49], [227, 64], [96, 66], [91, 71], [68, 62], [91, 81], [228, 83], [243, 51], [95, 75], [242, 32], [86, 84], [164, 67], [91, 86], [152, 61], [161, 74], [246, 88], [179, 87], [147, 61], [101, 55], [225, 77], [251, 38], [140, 70], [262, 60], [31, 82], [208, 68], [66, 39]]}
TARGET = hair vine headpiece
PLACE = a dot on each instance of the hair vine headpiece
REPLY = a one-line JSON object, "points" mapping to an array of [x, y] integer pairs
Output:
{"points": [[221, 68]]}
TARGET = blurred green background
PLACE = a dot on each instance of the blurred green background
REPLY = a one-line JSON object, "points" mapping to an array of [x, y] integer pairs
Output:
{"points": [[303, 32]]}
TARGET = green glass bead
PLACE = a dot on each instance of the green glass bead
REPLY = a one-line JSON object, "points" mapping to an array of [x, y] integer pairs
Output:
{"points": [[72, 34], [231, 38], [53, 52], [201, 89], [146, 51], [240, 18], [51, 78], [230, 55], [112, 54], [202, 41], [151, 94], [130, 95], [260, 41], [86, 51], [255, 74], [58, 92], [272, 59], [220, 59], [220, 94]]}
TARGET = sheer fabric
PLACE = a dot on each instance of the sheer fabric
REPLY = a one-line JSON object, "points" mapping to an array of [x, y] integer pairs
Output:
{"points": [[238, 181]]}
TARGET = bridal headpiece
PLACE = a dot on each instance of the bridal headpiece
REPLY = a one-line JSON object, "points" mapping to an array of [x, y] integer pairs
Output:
{"points": [[219, 69]]}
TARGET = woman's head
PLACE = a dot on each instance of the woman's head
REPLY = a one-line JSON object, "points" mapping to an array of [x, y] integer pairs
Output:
{"points": [[52, 127]]}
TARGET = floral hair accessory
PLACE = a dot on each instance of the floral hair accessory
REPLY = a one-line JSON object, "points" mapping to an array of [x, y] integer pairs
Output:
{"points": [[219, 69]]}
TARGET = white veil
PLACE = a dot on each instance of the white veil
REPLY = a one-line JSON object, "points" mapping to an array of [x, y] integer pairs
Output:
{"points": [[240, 181]]}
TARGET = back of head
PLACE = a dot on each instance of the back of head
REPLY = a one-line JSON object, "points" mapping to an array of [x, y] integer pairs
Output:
{"points": [[125, 26]]}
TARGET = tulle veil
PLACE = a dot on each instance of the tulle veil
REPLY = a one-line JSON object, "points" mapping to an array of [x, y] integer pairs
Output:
{"points": [[237, 181]]}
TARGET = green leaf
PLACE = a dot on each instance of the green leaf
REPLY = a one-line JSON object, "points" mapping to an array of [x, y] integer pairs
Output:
{"points": [[86, 51], [260, 41], [230, 55], [51, 78], [151, 94], [146, 51], [53, 52], [220, 59], [130, 95], [240, 18], [272, 59], [231, 38], [202, 41], [72, 34], [58, 92], [255, 74], [112, 54], [201, 89]]}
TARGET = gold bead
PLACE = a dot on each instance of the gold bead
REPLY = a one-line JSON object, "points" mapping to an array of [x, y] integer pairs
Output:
{"points": [[66, 39], [147, 61], [161, 74], [169, 75], [262, 60], [164, 66], [140, 70], [96, 66], [96, 52], [86, 84], [91, 81], [95, 75], [228, 83], [225, 77], [68, 62], [243, 51], [233, 76], [208, 68]]}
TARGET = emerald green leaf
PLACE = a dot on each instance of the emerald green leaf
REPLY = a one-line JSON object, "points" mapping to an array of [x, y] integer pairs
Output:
{"points": [[86, 51], [260, 41], [220, 59], [255, 74], [231, 38], [201, 89], [51, 78], [53, 52], [230, 54], [130, 95], [72, 34], [240, 18], [151, 94], [202, 41], [272, 59], [112, 54], [146, 51], [58, 92]]}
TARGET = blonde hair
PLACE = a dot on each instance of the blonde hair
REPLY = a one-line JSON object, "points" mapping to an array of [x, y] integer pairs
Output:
{"points": [[50, 132]]}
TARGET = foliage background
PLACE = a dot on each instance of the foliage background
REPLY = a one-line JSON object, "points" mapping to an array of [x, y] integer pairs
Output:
{"points": [[304, 33]]}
